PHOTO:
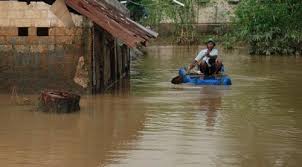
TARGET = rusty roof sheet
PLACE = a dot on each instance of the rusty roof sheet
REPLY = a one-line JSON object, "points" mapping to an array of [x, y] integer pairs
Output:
{"points": [[113, 21]]}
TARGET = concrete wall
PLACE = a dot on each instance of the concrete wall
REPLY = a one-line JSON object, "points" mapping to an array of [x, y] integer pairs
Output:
{"points": [[33, 62], [14, 14], [36, 14], [216, 11], [214, 17], [59, 38]]}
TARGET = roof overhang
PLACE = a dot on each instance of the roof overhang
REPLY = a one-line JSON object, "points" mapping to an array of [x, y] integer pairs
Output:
{"points": [[113, 21]]}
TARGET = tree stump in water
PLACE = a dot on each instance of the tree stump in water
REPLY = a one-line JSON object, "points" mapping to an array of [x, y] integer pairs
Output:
{"points": [[59, 101]]}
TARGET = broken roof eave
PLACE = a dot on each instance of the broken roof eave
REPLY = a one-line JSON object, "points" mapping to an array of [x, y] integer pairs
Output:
{"points": [[153, 33], [118, 25]]}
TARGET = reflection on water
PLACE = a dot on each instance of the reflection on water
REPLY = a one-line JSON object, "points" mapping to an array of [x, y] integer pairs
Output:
{"points": [[210, 103], [96, 136], [255, 122]]}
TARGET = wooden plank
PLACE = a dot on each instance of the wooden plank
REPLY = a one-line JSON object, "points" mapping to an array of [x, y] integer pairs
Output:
{"points": [[124, 21], [108, 24], [113, 21]]}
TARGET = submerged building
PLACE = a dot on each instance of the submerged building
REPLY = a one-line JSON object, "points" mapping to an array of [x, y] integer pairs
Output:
{"points": [[81, 45]]}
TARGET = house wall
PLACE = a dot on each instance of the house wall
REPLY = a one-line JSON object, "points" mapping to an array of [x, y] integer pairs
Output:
{"points": [[36, 14], [42, 62], [33, 62], [59, 38]]}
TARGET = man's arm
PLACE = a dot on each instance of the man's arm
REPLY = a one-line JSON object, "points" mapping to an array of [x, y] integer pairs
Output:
{"points": [[191, 66], [200, 55]]}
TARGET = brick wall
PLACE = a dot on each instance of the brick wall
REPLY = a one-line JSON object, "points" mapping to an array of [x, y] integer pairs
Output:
{"points": [[59, 37], [36, 14], [33, 62], [16, 14]]}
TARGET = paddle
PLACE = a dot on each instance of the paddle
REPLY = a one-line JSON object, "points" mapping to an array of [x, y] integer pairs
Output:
{"points": [[177, 80]]}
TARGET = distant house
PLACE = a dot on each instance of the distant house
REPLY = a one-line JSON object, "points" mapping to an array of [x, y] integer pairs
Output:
{"points": [[73, 44]]}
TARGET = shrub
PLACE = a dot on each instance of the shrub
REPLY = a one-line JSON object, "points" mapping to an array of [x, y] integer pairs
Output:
{"points": [[269, 26]]}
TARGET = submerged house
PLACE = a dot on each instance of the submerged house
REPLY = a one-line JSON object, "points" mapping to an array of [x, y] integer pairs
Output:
{"points": [[72, 45]]}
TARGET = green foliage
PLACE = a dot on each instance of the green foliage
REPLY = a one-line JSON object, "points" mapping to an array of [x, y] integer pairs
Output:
{"points": [[183, 17], [202, 2], [269, 26], [158, 11], [136, 8]]}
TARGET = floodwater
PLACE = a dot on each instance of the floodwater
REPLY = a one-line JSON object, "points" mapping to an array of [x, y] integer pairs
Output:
{"points": [[256, 122]]}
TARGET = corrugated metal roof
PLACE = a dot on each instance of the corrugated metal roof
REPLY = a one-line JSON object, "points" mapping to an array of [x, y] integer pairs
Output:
{"points": [[113, 21]]}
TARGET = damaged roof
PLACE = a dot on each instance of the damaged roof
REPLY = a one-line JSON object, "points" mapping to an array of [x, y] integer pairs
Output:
{"points": [[115, 22]]}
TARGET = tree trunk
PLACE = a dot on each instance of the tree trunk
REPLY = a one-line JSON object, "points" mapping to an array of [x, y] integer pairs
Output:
{"points": [[59, 102]]}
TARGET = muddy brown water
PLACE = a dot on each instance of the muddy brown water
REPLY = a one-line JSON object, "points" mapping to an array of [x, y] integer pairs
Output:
{"points": [[255, 122]]}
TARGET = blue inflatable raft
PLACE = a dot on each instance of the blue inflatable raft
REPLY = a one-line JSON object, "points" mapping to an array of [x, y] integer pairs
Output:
{"points": [[205, 80]]}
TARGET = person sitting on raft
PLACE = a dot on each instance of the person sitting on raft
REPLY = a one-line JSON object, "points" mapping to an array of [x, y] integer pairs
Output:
{"points": [[208, 60]]}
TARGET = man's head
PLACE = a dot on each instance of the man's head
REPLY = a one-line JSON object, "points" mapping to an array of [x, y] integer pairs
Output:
{"points": [[211, 44]]}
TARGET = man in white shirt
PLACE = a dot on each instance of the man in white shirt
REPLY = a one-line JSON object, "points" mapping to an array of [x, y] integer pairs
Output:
{"points": [[208, 60]]}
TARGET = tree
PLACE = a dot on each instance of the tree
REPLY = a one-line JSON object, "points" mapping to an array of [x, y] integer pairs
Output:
{"points": [[157, 11], [137, 9], [269, 26]]}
